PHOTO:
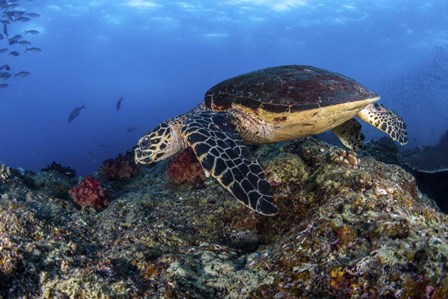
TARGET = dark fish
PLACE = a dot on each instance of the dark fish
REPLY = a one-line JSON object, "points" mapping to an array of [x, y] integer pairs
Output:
{"points": [[5, 29], [75, 113], [4, 85], [15, 14], [33, 49], [32, 14], [119, 103], [5, 75], [22, 74], [24, 42], [5, 67], [14, 53], [32, 31], [14, 39], [23, 19], [131, 129], [1, 36]]}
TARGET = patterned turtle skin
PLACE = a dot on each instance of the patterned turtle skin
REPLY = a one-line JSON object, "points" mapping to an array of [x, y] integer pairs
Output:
{"points": [[266, 106]]}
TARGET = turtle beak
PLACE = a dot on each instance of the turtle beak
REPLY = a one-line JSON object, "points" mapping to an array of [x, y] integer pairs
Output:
{"points": [[142, 157], [143, 152]]}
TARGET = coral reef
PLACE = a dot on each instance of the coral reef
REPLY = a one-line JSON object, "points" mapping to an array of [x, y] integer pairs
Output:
{"points": [[342, 232], [89, 192], [5, 172], [65, 170], [429, 165], [341, 156], [184, 167], [383, 149], [121, 168], [54, 182]]}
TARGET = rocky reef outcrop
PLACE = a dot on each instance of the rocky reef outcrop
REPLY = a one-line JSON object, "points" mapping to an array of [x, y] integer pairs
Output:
{"points": [[349, 226]]}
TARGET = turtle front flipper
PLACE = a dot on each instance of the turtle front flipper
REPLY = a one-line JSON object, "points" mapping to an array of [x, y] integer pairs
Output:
{"points": [[222, 153], [349, 133], [385, 120]]}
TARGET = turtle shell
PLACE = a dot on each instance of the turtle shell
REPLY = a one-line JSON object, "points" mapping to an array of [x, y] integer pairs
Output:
{"points": [[287, 88]]}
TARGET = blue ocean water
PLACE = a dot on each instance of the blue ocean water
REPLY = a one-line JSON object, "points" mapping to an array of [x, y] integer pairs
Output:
{"points": [[161, 56]]}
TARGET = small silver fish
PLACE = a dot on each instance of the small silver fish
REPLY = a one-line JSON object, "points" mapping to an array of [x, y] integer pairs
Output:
{"points": [[22, 74], [3, 50], [14, 53], [32, 31], [33, 49], [4, 85]]}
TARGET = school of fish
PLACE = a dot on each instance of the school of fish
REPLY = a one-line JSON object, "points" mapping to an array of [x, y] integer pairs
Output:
{"points": [[13, 44]]}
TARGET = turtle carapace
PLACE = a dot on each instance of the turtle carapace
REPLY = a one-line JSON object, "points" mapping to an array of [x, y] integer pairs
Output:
{"points": [[266, 106]]}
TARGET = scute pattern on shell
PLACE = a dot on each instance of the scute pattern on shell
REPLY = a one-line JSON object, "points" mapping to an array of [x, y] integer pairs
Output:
{"points": [[287, 88]]}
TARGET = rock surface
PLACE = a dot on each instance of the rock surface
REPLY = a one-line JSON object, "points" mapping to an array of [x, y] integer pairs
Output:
{"points": [[349, 227]]}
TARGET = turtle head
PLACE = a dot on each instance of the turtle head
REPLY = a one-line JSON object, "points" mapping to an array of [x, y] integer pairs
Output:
{"points": [[160, 143]]}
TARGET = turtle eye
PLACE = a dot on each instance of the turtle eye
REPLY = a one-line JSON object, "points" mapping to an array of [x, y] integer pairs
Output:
{"points": [[378, 107], [145, 143]]}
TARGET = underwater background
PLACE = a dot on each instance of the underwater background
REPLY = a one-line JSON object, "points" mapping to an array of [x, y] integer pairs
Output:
{"points": [[82, 81], [161, 56]]}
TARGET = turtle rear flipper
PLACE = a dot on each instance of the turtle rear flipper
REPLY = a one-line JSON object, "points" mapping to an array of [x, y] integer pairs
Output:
{"points": [[222, 153], [349, 133], [385, 120]]}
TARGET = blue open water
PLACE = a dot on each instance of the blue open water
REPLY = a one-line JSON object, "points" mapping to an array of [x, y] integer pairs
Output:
{"points": [[161, 56]]}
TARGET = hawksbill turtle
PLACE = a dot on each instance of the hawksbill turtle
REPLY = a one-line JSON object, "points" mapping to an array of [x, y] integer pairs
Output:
{"points": [[267, 106]]}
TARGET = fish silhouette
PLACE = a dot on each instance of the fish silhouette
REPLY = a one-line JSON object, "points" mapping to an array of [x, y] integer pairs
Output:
{"points": [[119, 103], [75, 113], [32, 31], [22, 74]]}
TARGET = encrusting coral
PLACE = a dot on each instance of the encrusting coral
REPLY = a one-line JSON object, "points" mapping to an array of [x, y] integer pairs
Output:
{"points": [[89, 192], [122, 167], [184, 167]]}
